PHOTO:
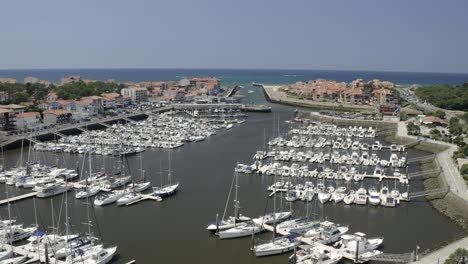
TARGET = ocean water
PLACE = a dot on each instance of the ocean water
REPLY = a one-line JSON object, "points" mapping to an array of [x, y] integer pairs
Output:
{"points": [[239, 76]]}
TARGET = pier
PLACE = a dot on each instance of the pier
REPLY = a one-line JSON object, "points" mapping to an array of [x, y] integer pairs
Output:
{"points": [[18, 198], [13, 141], [356, 258], [145, 197]]}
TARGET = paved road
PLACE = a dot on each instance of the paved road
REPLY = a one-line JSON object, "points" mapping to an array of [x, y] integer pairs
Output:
{"points": [[457, 186], [451, 173], [439, 256], [411, 97]]}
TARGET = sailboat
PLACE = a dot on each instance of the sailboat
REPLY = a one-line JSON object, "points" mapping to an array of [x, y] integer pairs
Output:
{"points": [[89, 253], [89, 190], [276, 245], [142, 186], [230, 222], [169, 189]]}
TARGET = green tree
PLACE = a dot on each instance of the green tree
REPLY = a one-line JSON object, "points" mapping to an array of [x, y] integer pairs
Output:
{"points": [[439, 113], [452, 97], [465, 116], [19, 98], [459, 256]]}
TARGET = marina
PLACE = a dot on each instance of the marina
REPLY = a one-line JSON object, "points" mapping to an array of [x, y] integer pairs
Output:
{"points": [[204, 178], [163, 131]]}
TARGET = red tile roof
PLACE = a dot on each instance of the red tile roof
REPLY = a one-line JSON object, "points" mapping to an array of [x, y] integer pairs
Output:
{"points": [[57, 112], [27, 114]]}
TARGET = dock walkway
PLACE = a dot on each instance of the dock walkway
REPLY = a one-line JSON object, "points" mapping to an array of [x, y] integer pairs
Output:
{"points": [[18, 198], [439, 256], [145, 197], [306, 240]]}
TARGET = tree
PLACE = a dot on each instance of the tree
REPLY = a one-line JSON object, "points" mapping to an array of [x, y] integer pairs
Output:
{"points": [[459, 256], [439, 114], [452, 97], [465, 116], [19, 98]]}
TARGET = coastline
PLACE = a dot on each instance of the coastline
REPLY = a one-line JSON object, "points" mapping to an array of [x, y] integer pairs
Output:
{"points": [[272, 94]]}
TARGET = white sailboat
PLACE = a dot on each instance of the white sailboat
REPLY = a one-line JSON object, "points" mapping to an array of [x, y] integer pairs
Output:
{"points": [[141, 186], [169, 189], [89, 190], [276, 246], [240, 230], [109, 197], [129, 198], [231, 221]]}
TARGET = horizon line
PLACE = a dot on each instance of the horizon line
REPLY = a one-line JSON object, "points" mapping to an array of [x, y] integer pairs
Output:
{"points": [[196, 68]]}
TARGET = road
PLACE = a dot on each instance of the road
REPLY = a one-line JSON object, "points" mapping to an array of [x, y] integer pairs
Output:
{"points": [[411, 97], [439, 256], [451, 173]]}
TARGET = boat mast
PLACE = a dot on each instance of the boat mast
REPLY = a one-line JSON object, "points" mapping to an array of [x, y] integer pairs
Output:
{"points": [[274, 209], [21, 155], [236, 201], [141, 167], [10, 236], [169, 171], [87, 198], [160, 172]]}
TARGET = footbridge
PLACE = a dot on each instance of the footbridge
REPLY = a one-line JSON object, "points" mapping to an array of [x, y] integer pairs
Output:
{"points": [[395, 258], [434, 172], [429, 192], [422, 158]]}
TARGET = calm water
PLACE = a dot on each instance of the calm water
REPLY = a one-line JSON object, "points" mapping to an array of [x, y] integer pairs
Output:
{"points": [[239, 76], [174, 230]]}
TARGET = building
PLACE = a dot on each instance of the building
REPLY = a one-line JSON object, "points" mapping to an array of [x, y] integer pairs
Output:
{"points": [[31, 79], [7, 119], [352, 96], [160, 85], [69, 105], [205, 82], [4, 96], [137, 94], [57, 116], [96, 104], [28, 120], [16, 109], [381, 96], [112, 100], [8, 80], [432, 121], [70, 79], [51, 97]]}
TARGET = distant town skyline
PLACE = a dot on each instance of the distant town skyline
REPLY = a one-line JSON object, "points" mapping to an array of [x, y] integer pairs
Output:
{"points": [[402, 36]]}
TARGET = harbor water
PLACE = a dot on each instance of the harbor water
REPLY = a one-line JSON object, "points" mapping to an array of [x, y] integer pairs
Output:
{"points": [[173, 231]]}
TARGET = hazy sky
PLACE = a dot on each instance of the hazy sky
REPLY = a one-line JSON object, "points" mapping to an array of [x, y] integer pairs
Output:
{"points": [[396, 35]]}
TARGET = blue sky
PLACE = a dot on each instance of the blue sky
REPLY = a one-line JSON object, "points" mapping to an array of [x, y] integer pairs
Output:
{"points": [[397, 35]]}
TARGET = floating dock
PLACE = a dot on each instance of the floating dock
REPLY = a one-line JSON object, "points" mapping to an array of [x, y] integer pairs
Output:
{"points": [[18, 198], [309, 241], [145, 197]]}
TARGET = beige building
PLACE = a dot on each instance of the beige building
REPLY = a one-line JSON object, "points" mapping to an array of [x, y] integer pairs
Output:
{"points": [[28, 120], [31, 79], [8, 80], [57, 116], [137, 94]]}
